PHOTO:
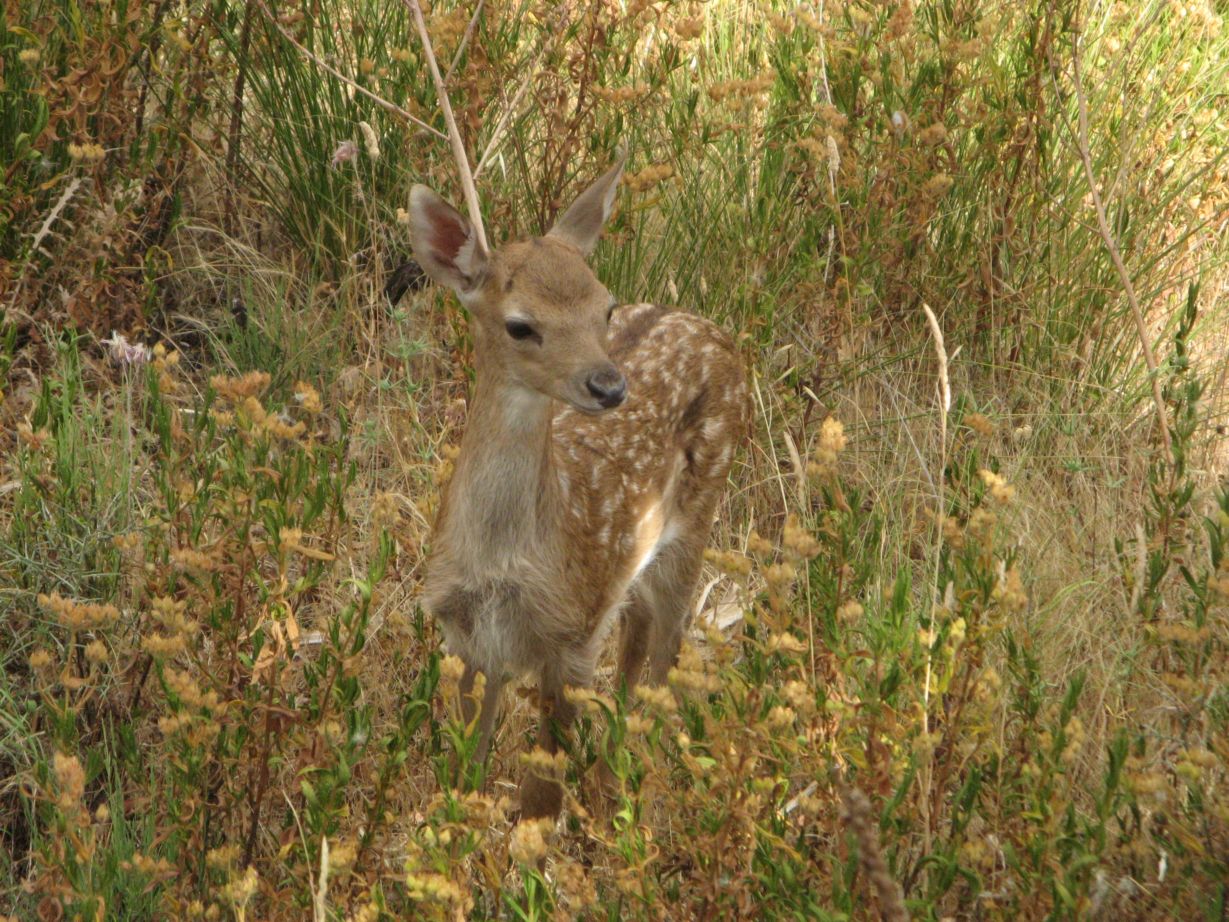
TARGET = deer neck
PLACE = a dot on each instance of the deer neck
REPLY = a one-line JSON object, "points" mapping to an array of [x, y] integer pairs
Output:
{"points": [[504, 492]]}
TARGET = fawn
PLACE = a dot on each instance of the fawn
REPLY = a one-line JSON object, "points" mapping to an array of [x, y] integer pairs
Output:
{"points": [[597, 445]]}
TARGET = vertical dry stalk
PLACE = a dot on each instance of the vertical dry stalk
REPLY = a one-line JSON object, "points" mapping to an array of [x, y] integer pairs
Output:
{"points": [[1111, 245], [944, 387], [856, 812], [454, 136]]}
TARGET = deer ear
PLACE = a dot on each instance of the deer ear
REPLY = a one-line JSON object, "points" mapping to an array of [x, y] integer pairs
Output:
{"points": [[582, 223], [444, 242]]}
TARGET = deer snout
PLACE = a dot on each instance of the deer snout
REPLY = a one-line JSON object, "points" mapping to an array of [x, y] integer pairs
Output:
{"points": [[608, 386]]}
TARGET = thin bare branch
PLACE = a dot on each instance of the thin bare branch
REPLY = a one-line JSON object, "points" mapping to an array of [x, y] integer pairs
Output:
{"points": [[1111, 245], [454, 136], [469, 33], [497, 135], [328, 68]]}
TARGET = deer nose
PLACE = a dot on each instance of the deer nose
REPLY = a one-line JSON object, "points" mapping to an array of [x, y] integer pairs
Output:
{"points": [[608, 386]]}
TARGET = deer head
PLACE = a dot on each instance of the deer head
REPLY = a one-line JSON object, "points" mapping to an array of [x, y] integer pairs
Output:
{"points": [[539, 313]]}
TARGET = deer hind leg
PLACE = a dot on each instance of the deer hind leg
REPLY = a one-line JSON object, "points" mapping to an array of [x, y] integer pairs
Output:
{"points": [[635, 639], [670, 582], [543, 796]]}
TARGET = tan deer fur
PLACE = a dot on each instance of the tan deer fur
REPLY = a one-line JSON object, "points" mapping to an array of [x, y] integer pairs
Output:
{"points": [[563, 513]]}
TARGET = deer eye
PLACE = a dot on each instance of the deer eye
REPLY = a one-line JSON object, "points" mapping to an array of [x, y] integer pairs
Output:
{"points": [[519, 329]]}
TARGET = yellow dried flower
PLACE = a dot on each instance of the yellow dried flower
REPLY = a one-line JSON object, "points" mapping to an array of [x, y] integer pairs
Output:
{"points": [[575, 886], [161, 646], [385, 511], [528, 842], [36, 440], [998, 487], [79, 616], [151, 867], [1009, 592], [849, 612], [1147, 784], [436, 888], [184, 687], [758, 546], [648, 177], [933, 135], [729, 562], [238, 389], [622, 94], [901, 21], [70, 779], [29, 55], [782, 25], [809, 19], [832, 442], [240, 889], [814, 148], [979, 423], [341, 856], [172, 724], [799, 695], [797, 540], [953, 534], [687, 29], [780, 717], [452, 668], [87, 152], [96, 652], [282, 428], [657, 696], [222, 857], [637, 724], [741, 89], [40, 659], [783, 642], [1074, 732], [937, 186], [780, 576], [307, 397], [191, 559], [981, 523]]}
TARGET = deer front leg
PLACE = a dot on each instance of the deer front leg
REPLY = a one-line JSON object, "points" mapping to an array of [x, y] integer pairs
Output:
{"points": [[484, 711], [543, 796]]}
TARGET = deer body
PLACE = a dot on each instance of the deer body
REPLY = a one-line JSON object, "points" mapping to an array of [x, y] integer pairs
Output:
{"points": [[596, 449]]}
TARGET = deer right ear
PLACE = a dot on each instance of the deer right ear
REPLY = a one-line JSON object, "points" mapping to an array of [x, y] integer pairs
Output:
{"points": [[444, 242]]}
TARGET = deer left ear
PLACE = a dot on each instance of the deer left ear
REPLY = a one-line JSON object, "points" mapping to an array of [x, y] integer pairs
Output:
{"points": [[582, 223], [445, 244]]}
